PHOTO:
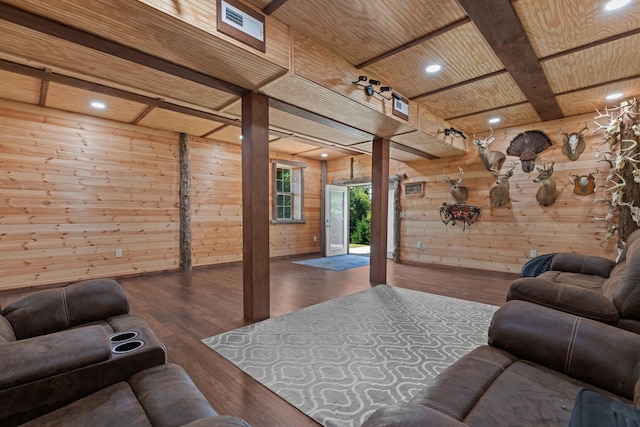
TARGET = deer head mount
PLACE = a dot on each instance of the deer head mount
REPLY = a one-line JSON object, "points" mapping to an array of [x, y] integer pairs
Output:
{"points": [[499, 194], [527, 146], [458, 192], [573, 143], [547, 193], [490, 159], [584, 184]]}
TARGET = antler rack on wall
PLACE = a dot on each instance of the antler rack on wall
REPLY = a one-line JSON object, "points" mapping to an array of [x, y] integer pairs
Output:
{"points": [[450, 213]]}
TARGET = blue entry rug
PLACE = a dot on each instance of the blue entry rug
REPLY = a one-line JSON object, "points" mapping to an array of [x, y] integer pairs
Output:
{"points": [[338, 262], [340, 360]]}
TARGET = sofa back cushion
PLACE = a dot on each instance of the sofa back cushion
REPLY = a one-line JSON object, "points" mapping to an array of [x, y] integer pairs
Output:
{"points": [[632, 238], [623, 285], [54, 310], [6, 331]]}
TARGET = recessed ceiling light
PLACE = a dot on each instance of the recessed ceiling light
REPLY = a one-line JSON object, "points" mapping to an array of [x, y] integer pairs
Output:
{"points": [[616, 4], [494, 120], [614, 96], [98, 105], [324, 155], [433, 68]]}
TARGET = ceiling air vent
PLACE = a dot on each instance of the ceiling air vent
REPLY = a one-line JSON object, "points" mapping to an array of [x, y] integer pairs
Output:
{"points": [[242, 21]]}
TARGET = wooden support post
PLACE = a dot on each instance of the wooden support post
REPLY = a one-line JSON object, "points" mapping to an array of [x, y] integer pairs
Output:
{"points": [[379, 212], [255, 206], [631, 193], [323, 213], [185, 204]]}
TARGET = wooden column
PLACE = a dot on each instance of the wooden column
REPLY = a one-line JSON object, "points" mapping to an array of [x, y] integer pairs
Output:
{"points": [[255, 206], [323, 213], [185, 204], [379, 212], [631, 193]]}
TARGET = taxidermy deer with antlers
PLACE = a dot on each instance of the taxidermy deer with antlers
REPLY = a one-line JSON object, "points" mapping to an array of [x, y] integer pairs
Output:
{"points": [[547, 193], [492, 160], [458, 192], [499, 194]]}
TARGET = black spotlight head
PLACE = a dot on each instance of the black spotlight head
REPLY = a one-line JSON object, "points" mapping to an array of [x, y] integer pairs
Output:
{"points": [[396, 96], [374, 82], [369, 90], [385, 88], [362, 78]]}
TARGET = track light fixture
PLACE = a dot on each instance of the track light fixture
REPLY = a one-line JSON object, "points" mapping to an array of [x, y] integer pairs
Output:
{"points": [[396, 96], [370, 90]]}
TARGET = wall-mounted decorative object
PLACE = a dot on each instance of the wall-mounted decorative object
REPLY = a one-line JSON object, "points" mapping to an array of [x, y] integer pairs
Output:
{"points": [[241, 23], [584, 184], [492, 160], [400, 106], [547, 193], [499, 193], [458, 192], [451, 213], [414, 189], [527, 146], [573, 143], [453, 132]]}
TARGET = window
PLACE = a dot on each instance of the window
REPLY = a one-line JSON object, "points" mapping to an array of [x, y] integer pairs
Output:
{"points": [[288, 185]]}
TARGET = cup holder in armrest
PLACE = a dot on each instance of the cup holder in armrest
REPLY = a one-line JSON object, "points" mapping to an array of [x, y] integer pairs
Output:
{"points": [[128, 346], [123, 336]]}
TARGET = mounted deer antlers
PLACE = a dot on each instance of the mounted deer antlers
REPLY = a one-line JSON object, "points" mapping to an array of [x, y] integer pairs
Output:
{"points": [[459, 193], [499, 194], [492, 160], [573, 143], [547, 193]]}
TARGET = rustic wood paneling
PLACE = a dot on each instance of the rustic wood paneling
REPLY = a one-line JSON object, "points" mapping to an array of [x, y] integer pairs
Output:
{"points": [[502, 238], [74, 189]]}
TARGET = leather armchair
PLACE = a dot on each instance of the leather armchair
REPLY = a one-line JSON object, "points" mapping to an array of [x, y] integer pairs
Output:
{"points": [[159, 396], [59, 345], [589, 286], [536, 362]]}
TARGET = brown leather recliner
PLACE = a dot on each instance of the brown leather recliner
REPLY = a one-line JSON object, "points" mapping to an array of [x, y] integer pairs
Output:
{"points": [[59, 345], [159, 396], [589, 286], [537, 361]]}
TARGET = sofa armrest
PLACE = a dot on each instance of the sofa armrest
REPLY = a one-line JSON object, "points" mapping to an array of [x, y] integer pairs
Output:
{"points": [[568, 298], [410, 415], [44, 356], [585, 264], [590, 351], [54, 310], [218, 421]]}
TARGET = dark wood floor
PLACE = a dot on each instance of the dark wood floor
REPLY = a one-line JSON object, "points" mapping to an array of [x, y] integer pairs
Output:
{"points": [[184, 308]]}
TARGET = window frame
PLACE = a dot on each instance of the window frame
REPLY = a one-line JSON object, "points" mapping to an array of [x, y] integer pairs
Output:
{"points": [[296, 191]]}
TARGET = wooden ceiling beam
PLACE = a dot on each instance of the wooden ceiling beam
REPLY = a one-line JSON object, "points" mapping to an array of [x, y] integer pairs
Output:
{"points": [[500, 26], [415, 42], [413, 151], [56, 29], [271, 7]]}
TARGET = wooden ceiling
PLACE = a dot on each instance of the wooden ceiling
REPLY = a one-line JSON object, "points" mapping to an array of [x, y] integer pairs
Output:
{"points": [[163, 64]]}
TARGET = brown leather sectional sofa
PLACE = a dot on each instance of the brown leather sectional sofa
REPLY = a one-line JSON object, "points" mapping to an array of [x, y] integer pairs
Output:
{"points": [[536, 362], [589, 286], [78, 351]]}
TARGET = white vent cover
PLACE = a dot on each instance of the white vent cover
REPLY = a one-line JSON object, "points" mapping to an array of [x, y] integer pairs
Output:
{"points": [[242, 21], [401, 107]]}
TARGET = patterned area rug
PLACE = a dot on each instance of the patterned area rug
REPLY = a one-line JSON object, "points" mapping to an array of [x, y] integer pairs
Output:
{"points": [[340, 360], [338, 262]]}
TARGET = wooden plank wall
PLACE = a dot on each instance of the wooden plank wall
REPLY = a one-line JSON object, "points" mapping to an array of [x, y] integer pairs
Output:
{"points": [[73, 189], [504, 236]]}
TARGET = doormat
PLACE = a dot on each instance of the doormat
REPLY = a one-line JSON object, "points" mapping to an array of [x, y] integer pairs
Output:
{"points": [[338, 262]]}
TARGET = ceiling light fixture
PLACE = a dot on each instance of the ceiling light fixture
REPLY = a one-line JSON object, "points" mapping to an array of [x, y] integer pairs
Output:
{"points": [[324, 155], [616, 4], [369, 88], [434, 68], [98, 105], [614, 96], [494, 120]]}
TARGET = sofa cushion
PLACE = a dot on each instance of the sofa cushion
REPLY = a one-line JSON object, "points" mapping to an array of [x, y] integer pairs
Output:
{"points": [[568, 298], [626, 294], [6, 331], [53, 310], [114, 405], [45, 356], [585, 264], [586, 281]]}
